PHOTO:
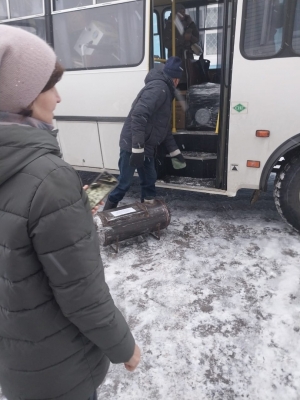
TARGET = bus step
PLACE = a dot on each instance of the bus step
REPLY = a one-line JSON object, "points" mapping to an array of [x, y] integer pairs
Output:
{"points": [[200, 141], [187, 181], [185, 132], [198, 165], [198, 155]]}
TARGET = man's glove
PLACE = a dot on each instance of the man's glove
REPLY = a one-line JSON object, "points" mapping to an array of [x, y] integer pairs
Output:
{"points": [[137, 159], [178, 161]]}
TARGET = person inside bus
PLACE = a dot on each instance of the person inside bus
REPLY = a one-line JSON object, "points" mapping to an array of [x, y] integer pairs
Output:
{"points": [[146, 127], [186, 38], [59, 326]]}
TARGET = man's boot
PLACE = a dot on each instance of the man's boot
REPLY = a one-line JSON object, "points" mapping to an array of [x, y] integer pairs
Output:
{"points": [[149, 200], [109, 205]]}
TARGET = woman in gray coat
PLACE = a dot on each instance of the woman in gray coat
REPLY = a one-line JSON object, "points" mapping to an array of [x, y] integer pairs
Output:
{"points": [[59, 327]]}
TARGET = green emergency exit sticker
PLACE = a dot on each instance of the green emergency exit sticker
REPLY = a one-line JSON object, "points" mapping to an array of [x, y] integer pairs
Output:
{"points": [[239, 108]]}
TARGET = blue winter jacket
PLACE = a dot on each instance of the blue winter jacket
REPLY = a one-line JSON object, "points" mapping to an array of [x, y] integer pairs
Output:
{"points": [[148, 122]]}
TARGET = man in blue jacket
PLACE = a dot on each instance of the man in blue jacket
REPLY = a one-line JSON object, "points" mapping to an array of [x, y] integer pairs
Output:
{"points": [[146, 127]]}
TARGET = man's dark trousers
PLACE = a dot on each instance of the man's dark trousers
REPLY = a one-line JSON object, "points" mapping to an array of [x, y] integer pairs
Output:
{"points": [[147, 175]]}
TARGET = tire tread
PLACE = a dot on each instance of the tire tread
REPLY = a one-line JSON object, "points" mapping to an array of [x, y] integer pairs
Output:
{"points": [[281, 177]]}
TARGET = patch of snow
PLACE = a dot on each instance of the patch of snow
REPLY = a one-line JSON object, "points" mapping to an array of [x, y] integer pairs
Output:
{"points": [[214, 305]]}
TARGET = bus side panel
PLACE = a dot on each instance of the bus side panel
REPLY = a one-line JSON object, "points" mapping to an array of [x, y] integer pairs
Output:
{"points": [[100, 93], [109, 137], [80, 143]]}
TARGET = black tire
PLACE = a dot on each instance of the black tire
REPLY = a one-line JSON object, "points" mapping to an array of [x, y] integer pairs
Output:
{"points": [[287, 192]]}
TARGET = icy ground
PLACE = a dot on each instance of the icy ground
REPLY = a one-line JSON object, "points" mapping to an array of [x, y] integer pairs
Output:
{"points": [[214, 305]]}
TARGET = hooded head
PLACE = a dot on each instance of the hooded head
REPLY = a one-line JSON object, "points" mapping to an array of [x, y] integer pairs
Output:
{"points": [[26, 64], [173, 68], [180, 8]]}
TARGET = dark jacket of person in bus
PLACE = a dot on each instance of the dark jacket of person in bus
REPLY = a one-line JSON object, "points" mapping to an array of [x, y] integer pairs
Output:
{"points": [[59, 327], [184, 40], [146, 127]]}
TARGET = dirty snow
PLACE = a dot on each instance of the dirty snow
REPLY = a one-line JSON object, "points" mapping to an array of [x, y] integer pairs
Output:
{"points": [[214, 305]]}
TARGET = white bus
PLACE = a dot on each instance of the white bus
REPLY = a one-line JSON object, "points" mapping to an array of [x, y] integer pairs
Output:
{"points": [[108, 47]]}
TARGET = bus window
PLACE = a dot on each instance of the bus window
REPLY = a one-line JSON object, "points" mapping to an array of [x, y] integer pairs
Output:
{"points": [[166, 15], [100, 37], [156, 37], [3, 10], [17, 10], [210, 20], [65, 4], [25, 8], [35, 25], [296, 31], [263, 28], [210, 29]]}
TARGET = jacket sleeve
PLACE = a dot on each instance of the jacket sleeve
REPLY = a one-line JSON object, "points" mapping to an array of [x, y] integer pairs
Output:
{"points": [[167, 35], [65, 240], [151, 99], [170, 143], [195, 33]]}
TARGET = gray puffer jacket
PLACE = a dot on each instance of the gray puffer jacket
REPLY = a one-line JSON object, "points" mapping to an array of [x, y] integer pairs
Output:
{"points": [[148, 122], [59, 327]]}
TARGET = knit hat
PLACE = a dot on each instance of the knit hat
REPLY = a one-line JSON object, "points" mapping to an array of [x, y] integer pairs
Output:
{"points": [[26, 64], [173, 68]]}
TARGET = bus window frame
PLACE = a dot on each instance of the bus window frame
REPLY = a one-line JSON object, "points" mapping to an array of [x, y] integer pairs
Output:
{"points": [[94, 5], [98, 5], [82, 7], [72, 8], [286, 49], [21, 18], [293, 30]]}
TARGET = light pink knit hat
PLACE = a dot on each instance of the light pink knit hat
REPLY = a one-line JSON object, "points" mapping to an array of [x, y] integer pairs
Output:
{"points": [[26, 64]]}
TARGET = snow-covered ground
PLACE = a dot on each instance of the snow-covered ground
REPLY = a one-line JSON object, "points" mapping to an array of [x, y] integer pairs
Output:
{"points": [[214, 305]]}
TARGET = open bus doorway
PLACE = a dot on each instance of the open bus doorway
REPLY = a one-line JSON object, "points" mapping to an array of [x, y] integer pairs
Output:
{"points": [[197, 107]]}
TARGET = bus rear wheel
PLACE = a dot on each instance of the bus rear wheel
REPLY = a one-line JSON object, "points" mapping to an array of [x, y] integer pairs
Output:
{"points": [[287, 192]]}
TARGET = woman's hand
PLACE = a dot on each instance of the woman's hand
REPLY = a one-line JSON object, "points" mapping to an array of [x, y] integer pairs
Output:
{"points": [[135, 359]]}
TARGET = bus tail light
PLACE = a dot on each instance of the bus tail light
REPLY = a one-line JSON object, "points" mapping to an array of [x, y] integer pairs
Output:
{"points": [[262, 133], [253, 164]]}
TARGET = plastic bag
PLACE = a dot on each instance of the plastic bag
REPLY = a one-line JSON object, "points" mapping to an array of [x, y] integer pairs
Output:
{"points": [[196, 49]]}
